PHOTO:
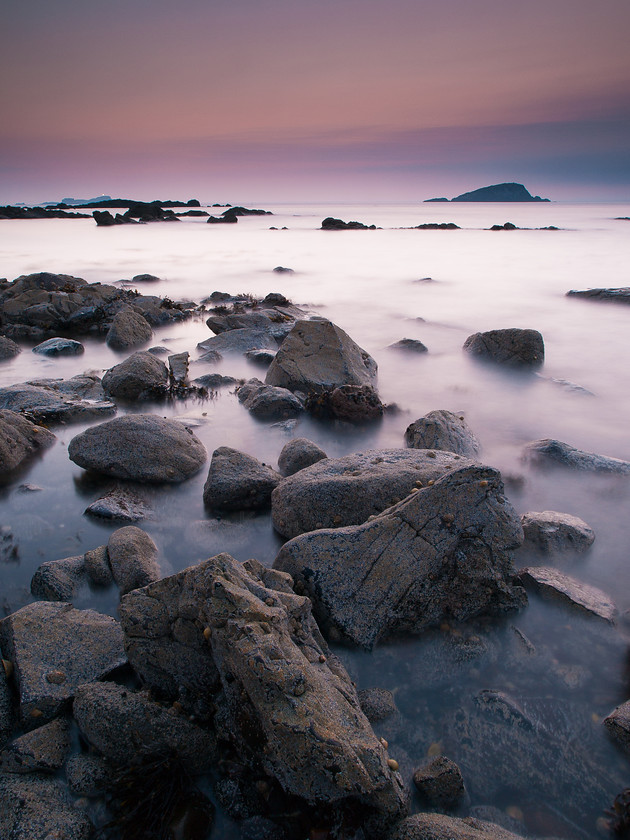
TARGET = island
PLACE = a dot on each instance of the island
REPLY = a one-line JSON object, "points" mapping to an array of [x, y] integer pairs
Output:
{"points": [[496, 192]]}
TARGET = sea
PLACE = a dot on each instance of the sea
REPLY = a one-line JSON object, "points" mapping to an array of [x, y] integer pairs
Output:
{"points": [[563, 671]]}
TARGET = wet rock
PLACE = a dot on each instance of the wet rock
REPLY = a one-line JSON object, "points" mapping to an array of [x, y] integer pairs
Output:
{"points": [[8, 349], [97, 566], [145, 278], [349, 403], [440, 783], [237, 481], [550, 453], [618, 724], [410, 345], [318, 356], [441, 553], [442, 430], [556, 586], [44, 749], [139, 377], [442, 827], [38, 808], [212, 381], [53, 401], [338, 224], [139, 447], [7, 716], [178, 368], [59, 580], [512, 347], [119, 722], [59, 347], [551, 532], [128, 329], [377, 703], [297, 454], [346, 491], [132, 558], [286, 704], [88, 775], [238, 341], [262, 358], [620, 295], [268, 402], [20, 440], [119, 504], [54, 648]]}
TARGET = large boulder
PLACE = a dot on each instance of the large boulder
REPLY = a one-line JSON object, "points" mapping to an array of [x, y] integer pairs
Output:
{"points": [[442, 553], [237, 481], [52, 401], [139, 447], [618, 724], [555, 453], [513, 347], [319, 356], [240, 340], [285, 702], [550, 532], [140, 376], [128, 329], [132, 558], [442, 430], [346, 491], [19, 440]]}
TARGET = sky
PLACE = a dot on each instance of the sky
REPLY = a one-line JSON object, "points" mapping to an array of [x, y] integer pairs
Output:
{"points": [[313, 100]]}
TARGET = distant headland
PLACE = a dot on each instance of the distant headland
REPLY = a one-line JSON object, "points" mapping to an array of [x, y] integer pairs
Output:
{"points": [[496, 192]]}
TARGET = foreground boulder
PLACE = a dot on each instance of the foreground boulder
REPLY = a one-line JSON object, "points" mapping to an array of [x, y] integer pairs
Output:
{"points": [[318, 356], [237, 481], [618, 724], [285, 703], [442, 827], [132, 558], [19, 440], [550, 532], [53, 401], [556, 453], [346, 491], [140, 376], [442, 553], [442, 430], [513, 347], [128, 329], [140, 447]]}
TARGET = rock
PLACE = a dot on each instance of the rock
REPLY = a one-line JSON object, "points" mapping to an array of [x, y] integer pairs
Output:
{"points": [[54, 648], [337, 224], [8, 348], [53, 401], [212, 381], [97, 568], [119, 504], [20, 440], [346, 491], [145, 278], [618, 724], [140, 376], [104, 218], [7, 716], [506, 226], [318, 356], [59, 580], [128, 329], [349, 403], [88, 775], [621, 295], [297, 454], [411, 345], [512, 347], [268, 402], [262, 358], [377, 703], [281, 269], [500, 192], [442, 827], [261, 828], [440, 783], [556, 586], [44, 749], [286, 704], [239, 341], [442, 430], [442, 553], [132, 558], [237, 481], [178, 368], [59, 347], [437, 225], [549, 452], [39, 808], [139, 447], [549, 532], [150, 212], [121, 723]]}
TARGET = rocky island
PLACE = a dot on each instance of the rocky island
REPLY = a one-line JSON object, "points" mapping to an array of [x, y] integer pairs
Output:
{"points": [[509, 192]]}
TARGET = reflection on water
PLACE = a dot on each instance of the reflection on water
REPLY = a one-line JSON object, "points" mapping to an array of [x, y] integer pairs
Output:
{"points": [[563, 674]]}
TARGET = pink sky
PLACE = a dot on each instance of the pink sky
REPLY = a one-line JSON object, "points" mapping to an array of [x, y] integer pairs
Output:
{"points": [[234, 100]]}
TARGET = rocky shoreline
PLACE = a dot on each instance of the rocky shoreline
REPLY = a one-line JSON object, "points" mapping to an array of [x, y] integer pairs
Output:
{"points": [[223, 684]]}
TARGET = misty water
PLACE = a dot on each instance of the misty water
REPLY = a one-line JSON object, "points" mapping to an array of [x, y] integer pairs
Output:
{"points": [[564, 671]]}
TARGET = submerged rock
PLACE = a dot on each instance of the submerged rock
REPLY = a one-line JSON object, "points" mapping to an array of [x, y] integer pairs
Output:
{"points": [[8, 349], [349, 403], [440, 783], [512, 347], [20, 440], [618, 724], [268, 402], [297, 454], [556, 586], [441, 553], [409, 345], [549, 452], [238, 341], [445, 431], [237, 481], [119, 504], [549, 532], [620, 295], [338, 224]]}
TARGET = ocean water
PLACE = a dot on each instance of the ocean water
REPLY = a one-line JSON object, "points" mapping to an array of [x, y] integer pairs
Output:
{"points": [[380, 286]]}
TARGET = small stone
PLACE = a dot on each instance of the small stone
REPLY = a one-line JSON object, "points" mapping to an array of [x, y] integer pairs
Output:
{"points": [[56, 677], [392, 764]]}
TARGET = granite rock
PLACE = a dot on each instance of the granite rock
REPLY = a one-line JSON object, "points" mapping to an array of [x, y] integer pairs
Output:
{"points": [[442, 430]]}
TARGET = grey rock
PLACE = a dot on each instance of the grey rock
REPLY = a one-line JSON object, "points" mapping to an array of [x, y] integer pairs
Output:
{"points": [[44, 749], [120, 723], [9, 349], [128, 329], [7, 715], [298, 454], [178, 368], [618, 724], [54, 648], [132, 558], [237, 481], [410, 345], [39, 808], [59, 347], [443, 827], [119, 504], [346, 491], [550, 453], [349, 403], [51, 401], [268, 402], [59, 580], [88, 775], [262, 358], [620, 295], [20, 440], [317, 356], [139, 377], [441, 553], [145, 278], [442, 430], [512, 347], [212, 381], [139, 447], [97, 566], [440, 783], [239, 341], [551, 532], [556, 586], [377, 703]]}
